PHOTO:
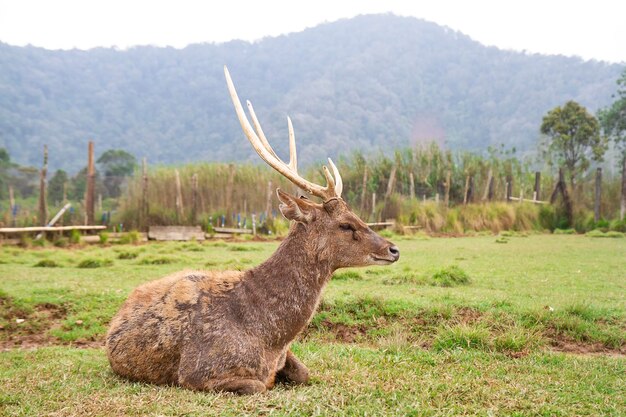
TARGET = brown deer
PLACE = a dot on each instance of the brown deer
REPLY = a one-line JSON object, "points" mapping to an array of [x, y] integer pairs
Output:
{"points": [[232, 330]]}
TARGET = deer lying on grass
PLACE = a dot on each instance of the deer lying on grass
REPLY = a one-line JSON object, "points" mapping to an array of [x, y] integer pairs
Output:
{"points": [[231, 330]]}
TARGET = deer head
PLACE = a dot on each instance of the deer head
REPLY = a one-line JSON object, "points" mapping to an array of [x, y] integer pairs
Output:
{"points": [[330, 229]]}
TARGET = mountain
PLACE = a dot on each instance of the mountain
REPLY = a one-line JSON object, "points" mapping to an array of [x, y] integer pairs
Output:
{"points": [[370, 83]]}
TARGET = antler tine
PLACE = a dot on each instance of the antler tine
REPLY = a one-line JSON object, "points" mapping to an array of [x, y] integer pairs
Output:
{"points": [[259, 130], [293, 156], [261, 146], [338, 180]]}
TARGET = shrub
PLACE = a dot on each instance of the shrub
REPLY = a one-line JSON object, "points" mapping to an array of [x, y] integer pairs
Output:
{"points": [[450, 277], [131, 237], [104, 237], [74, 237], [47, 263], [156, 261], [564, 231], [61, 242], [94, 263], [618, 226], [127, 255]]}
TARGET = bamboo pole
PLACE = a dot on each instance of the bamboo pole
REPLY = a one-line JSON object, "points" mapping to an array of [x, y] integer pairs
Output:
{"points": [[179, 197], [596, 206], [43, 204], [91, 185]]}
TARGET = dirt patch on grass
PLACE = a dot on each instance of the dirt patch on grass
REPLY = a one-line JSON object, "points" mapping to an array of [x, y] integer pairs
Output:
{"points": [[344, 333], [564, 344], [28, 328]]}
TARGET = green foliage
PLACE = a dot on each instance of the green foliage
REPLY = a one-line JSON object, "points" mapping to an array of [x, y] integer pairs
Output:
{"points": [[56, 186], [127, 255], [94, 263], [161, 260], [75, 236], [575, 138], [47, 263], [451, 276], [131, 237], [104, 237], [600, 233], [116, 164], [613, 118], [564, 231]]}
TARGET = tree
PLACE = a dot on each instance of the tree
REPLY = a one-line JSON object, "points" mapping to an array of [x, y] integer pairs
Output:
{"points": [[117, 165], [613, 121], [55, 187], [574, 138]]}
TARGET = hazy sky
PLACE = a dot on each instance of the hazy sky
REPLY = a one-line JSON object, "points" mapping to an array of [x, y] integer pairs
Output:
{"points": [[589, 29]]}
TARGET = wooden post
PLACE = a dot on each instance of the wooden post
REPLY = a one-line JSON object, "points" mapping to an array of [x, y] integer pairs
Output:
{"points": [[91, 185], [229, 192], [374, 206], [446, 197], [144, 209], [412, 185], [622, 207], [537, 186], [509, 187], [391, 182], [437, 198], [561, 187], [253, 224], [488, 193], [469, 189], [43, 204], [596, 206], [12, 205], [100, 202], [364, 190], [194, 199], [179, 197], [268, 201]]}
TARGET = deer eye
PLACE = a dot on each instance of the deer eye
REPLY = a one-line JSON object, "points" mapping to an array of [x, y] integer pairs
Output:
{"points": [[347, 227]]}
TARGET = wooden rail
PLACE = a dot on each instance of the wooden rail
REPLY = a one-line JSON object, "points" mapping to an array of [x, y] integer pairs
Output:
{"points": [[49, 228]]}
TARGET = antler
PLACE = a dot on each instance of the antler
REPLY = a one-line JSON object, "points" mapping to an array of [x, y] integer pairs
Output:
{"points": [[261, 145]]}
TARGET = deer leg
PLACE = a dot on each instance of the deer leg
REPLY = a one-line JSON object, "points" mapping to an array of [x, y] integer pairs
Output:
{"points": [[224, 370], [294, 371]]}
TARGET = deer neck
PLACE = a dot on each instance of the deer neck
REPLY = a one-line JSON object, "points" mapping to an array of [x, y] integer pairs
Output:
{"points": [[290, 284]]}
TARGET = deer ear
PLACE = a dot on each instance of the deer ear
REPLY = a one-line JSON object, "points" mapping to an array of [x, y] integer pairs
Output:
{"points": [[297, 209]]}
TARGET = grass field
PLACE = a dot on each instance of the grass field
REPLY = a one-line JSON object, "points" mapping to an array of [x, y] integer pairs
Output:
{"points": [[489, 325]]}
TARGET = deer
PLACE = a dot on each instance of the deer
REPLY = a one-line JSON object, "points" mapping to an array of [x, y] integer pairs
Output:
{"points": [[231, 331]]}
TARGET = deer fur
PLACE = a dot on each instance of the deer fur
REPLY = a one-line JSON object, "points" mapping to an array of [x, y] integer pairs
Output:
{"points": [[231, 331]]}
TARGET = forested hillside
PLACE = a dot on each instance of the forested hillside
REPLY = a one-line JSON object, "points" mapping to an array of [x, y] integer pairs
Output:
{"points": [[372, 82]]}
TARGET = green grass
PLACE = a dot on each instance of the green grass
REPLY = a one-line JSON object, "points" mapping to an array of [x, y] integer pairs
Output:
{"points": [[386, 341]]}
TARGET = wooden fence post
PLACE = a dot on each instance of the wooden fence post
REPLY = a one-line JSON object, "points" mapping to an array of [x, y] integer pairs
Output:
{"points": [[509, 188], [43, 204], [144, 209], [596, 206], [488, 193], [229, 192], [91, 185], [268, 201], [179, 197], [12, 206], [364, 190], [412, 185], [194, 199], [537, 195], [446, 197]]}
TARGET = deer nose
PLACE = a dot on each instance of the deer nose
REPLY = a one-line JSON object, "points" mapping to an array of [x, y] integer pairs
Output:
{"points": [[394, 252]]}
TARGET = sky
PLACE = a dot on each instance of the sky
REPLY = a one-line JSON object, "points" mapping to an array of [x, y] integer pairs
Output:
{"points": [[587, 29]]}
